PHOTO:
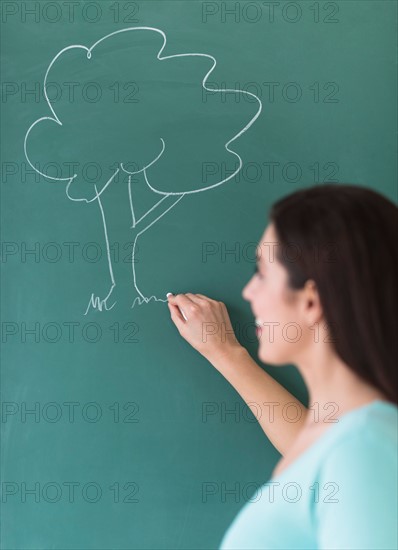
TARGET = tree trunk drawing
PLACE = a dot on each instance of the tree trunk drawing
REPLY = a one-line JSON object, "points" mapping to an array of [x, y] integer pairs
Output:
{"points": [[121, 226]]}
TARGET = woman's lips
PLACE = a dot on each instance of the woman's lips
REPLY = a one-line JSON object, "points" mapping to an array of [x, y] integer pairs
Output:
{"points": [[259, 329]]}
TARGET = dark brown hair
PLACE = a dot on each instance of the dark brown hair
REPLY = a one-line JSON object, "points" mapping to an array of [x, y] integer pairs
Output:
{"points": [[344, 238]]}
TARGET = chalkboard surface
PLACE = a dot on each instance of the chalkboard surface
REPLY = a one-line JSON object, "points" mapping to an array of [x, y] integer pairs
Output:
{"points": [[142, 146]]}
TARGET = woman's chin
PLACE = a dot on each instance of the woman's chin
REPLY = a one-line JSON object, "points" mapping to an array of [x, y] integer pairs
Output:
{"points": [[262, 354], [266, 355]]}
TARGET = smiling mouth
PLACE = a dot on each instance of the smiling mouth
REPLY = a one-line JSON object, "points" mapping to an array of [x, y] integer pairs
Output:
{"points": [[259, 329]]}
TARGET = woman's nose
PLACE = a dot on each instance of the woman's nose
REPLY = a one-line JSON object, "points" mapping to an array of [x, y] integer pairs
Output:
{"points": [[246, 292]]}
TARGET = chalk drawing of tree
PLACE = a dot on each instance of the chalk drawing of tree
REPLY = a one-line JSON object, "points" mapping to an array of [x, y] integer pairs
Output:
{"points": [[164, 136]]}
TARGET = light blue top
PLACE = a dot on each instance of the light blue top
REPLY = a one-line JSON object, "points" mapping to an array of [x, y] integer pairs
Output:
{"points": [[340, 493]]}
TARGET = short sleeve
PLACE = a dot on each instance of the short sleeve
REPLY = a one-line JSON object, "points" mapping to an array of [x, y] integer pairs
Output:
{"points": [[357, 501]]}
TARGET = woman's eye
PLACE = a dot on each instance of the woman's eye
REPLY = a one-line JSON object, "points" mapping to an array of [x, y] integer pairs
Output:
{"points": [[257, 272]]}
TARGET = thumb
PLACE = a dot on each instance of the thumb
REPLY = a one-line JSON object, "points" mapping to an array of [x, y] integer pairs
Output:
{"points": [[176, 316]]}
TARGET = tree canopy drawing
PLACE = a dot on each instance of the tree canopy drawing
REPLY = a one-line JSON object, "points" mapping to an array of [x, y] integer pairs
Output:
{"points": [[156, 100]]}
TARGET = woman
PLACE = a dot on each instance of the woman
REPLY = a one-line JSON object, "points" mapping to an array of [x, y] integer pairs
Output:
{"points": [[332, 280]]}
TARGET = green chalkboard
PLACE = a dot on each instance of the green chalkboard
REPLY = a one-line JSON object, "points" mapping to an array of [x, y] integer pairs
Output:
{"points": [[142, 146]]}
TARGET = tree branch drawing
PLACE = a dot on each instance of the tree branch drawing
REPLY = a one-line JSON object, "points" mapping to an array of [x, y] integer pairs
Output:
{"points": [[165, 136]]}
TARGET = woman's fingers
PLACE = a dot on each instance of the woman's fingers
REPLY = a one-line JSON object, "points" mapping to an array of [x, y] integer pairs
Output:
{"points": [[186, 305], [223, 307], [176, 315], [195, 298], [205, 297], [207, 328]]}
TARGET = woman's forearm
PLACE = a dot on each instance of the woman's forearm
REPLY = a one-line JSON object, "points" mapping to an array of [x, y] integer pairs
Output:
{"points": [[279, 413]]}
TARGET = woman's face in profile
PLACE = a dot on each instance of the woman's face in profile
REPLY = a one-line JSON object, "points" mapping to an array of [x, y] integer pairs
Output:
{"points": [[276, 308]]}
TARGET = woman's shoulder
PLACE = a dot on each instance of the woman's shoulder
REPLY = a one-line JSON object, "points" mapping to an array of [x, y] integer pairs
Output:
{"points": [[366, 443], [377, 421], [359, 475]]}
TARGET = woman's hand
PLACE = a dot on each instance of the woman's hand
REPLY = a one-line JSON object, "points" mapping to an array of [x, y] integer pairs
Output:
{"points": [[208, 327]]}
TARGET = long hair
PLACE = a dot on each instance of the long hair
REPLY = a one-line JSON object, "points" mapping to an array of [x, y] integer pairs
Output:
{"points": [[344, 237]]}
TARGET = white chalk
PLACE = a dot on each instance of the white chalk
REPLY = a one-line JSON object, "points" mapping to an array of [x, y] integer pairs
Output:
{"points": [[182, 313]]}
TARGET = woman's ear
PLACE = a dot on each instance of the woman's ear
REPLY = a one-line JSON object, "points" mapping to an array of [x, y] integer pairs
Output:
{"points": [[311, 303]]}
